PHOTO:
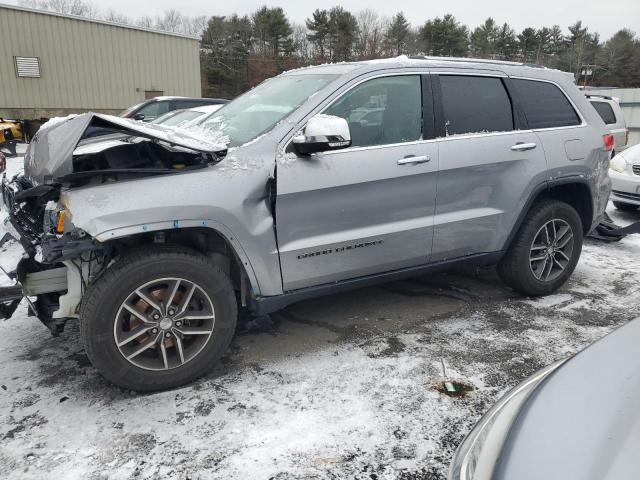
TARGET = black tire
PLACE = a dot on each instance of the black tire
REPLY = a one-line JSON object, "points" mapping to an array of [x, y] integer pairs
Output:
{"points": [[625, 207], [102, 304], [516, 269]]}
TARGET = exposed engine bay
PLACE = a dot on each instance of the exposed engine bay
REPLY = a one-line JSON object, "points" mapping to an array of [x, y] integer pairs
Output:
{"points": [[61, 260]]}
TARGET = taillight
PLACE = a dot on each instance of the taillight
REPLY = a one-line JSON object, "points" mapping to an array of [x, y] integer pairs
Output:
{"points": [[608, 142], [626, 136]]}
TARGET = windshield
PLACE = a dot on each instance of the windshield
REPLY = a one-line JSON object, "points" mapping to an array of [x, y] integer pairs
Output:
{"points": [[260, 109]]}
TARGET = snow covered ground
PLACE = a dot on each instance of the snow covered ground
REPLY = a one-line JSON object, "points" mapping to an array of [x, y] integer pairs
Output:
{"points": [[338, 387]]}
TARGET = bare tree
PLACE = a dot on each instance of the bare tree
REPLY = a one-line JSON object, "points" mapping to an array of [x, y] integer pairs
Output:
{"points": [[171, 21], [116, 17], [30, 3], [369, 44], [301, 44], [145, 22], [80, 8], [73, 7], [194, 25]]}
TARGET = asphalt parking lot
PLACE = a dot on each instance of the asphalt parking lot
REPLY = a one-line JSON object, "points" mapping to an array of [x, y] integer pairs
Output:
{"points": [[346, 386]]}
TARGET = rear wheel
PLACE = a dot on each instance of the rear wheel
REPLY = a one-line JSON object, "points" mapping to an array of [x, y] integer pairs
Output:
{"points": [[626, 207], [545, 251], [158, 319]]}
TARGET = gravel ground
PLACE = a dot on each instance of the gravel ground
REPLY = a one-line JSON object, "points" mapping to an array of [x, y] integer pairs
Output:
{"points": [[345, 386]]}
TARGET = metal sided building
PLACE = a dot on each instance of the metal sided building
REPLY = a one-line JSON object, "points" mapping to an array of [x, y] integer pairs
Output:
{"points": [[54, 65]]}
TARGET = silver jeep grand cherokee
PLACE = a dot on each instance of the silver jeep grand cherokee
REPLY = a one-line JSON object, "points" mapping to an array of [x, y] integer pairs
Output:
{"points": [[318, 180]]}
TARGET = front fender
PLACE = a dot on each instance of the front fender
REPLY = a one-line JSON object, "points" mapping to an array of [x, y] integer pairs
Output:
{"points": [[231, 202]]}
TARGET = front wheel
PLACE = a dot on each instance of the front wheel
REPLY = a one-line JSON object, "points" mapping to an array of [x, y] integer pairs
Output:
{"points": [[545, 251], [158, 318]]}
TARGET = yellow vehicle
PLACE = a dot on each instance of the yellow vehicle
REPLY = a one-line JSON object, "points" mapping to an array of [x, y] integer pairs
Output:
{"points": [[10, 133]]}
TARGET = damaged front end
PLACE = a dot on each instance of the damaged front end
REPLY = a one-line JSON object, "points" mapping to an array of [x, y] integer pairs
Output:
{"points": [[61, 260], [58, 258]]}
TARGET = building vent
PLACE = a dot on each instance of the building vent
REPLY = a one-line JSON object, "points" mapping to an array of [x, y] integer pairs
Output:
{"points": [[28, 67]]}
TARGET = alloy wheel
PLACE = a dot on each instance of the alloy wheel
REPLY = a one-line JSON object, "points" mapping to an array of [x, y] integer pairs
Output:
{"points": [[551, 250], [164, 324]]}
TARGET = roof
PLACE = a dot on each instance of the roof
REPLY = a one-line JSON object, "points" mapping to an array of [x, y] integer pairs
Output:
{"points": [[403, 61], [94, 20]]}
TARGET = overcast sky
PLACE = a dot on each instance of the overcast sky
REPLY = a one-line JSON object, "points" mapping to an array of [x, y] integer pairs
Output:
{"points": [[603, 16]]}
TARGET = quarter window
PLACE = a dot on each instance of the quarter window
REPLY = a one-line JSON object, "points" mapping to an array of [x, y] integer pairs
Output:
{"points": [[382, 111], [475, 105], [605, 111], [545, 105]]}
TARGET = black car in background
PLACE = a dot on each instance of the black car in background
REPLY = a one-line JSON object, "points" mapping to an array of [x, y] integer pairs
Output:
{"points": [[155, 107]]}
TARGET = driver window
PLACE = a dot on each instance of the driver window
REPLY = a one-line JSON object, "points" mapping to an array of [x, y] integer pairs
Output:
{"points": [[382, 111]]}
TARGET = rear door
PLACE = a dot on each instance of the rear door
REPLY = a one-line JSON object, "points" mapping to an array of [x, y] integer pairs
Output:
{"points": [[368, 208], [488, 164], [573, 147]]}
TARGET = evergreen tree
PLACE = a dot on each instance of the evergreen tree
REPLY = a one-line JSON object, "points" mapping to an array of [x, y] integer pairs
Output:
{"points": [[506, 42], [445, 37], [343, 34], [398, 33], [318, 26], [528, 44], [483, 39], [272, 32]]}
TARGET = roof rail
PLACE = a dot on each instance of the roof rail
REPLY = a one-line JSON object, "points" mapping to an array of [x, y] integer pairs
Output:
{"points": [[475, 60]]}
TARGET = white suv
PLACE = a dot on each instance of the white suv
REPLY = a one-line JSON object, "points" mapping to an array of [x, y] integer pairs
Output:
{"points": [[609, 110]]}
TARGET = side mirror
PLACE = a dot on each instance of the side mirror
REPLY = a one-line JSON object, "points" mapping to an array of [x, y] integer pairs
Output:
{"points": [[138, 116], [323, 133]]}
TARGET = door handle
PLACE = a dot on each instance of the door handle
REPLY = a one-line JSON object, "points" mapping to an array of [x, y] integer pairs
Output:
{"points": [[521, 147], [412, 159]]}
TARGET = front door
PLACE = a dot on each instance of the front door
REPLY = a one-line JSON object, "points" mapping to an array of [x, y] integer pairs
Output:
{"points": [[368, 208]]}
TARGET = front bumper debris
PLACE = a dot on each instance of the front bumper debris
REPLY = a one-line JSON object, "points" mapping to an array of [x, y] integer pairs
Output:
{"points": [[9, 300], [52, 274], [607, 231]]}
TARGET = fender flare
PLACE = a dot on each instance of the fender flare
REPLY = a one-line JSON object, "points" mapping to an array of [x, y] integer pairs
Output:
{"points": [[213, 225], [536, 191]]}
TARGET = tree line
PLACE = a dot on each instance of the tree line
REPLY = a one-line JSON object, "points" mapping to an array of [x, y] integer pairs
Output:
{"points": [[239, 51]]}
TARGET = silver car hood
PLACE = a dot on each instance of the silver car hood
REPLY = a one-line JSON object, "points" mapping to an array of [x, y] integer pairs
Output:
{"points": [[50, 153], [583, 422]]}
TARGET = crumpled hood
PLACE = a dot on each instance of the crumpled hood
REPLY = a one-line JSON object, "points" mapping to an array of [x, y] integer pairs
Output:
{"points": [[50, 153]]}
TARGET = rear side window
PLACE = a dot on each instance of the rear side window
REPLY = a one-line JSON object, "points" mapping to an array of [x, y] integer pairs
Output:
{"points": [[545, 105], [605, 111], [475, 105]]}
